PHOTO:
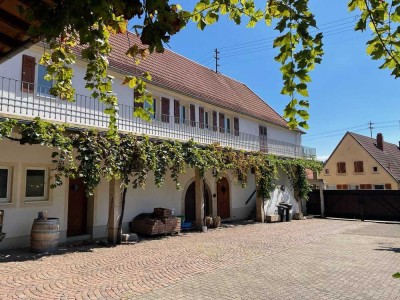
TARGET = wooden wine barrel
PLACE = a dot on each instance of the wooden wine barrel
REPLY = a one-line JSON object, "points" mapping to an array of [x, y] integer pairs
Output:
{"points": [[45, 235]]}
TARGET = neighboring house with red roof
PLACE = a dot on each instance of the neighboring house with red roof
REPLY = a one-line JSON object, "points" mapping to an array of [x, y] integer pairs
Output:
{"points": [[190, 102], [361, 162]]}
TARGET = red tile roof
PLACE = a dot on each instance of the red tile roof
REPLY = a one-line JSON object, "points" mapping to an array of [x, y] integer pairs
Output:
{"points": [[175, 72], [389, 158]]}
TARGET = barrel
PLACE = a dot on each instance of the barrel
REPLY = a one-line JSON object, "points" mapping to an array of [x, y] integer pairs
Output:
{"points": [[45, 235]]}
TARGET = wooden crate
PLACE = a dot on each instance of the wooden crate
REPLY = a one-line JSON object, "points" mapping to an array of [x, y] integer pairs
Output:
{"points": [[162, 212]]}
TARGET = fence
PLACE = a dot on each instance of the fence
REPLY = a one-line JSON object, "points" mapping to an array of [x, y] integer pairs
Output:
{"points": [[22, 99]]}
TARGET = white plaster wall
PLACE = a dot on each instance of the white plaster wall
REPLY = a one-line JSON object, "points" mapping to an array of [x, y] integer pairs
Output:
{"points": [[19, 215], [278, 196], [145, 200], [101, 209]]}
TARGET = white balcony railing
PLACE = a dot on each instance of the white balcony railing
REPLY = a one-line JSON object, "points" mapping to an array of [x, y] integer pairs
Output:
{"points": [[27, 101]]}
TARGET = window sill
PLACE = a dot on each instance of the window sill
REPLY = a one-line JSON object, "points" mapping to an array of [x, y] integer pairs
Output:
{"points": [[341, 174], [358, 173]]}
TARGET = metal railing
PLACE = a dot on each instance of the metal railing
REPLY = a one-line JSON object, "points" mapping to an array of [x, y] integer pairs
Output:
{"points": [[26, 100]]}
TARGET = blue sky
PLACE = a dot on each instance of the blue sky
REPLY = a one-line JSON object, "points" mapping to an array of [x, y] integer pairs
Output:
{"points": [[348, 90]]}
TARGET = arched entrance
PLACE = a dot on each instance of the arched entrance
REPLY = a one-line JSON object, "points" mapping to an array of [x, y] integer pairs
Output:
{"points": [[190, 202], [223, 199]]}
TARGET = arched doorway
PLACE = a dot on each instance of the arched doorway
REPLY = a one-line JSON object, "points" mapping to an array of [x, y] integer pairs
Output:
{"points": [[223, 199], [190, 202]]}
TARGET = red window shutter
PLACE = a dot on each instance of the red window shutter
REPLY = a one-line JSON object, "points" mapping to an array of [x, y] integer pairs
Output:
{"points": [[388, 186], [192, 115], [28, 73], [215, 126], [341, 167], [358, 167], [165, 110], [236, 125], [201, 117], [177, 112], [368, 186], [338, 186], [362, 186], [345, 187], [221, 123]]}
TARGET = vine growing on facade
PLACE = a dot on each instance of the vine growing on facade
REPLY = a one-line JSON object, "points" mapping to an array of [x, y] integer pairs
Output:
{"points": [[93, 155]]}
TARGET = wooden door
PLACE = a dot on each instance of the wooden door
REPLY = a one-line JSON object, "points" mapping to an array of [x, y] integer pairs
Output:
{"points": [[223, 199], [190, 203], [77, 208]]}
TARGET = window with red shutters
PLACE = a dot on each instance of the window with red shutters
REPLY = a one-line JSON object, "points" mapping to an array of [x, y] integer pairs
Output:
{"points": [[388, 186], [28, 73], [236, 126], [177, 111], [368, 186], [201, 117], [341, 168], [215, 124], [339, 187], [192, 115], [165, 110], [358, 167], [221, 123]]}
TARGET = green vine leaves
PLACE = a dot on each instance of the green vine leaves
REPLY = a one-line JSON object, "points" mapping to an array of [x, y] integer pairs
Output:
{"points": [[93, 155], [382, 17]]}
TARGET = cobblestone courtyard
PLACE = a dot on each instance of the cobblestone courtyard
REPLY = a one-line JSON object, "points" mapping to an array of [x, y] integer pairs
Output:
{"points": [[312, 259]]}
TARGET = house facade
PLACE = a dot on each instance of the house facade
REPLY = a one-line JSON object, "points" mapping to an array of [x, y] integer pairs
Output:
{"points": [[190, 102], [361, 162]]}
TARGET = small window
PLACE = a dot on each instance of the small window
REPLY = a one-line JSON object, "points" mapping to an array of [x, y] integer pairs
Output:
{"points": [[374, 169], [147, 106], [326, 171], [341, 168], [359, 167], [228, 125], [5, 184], [36, 184], [379, 187], [182, 114], [206, 119], [388, 186], [263, 131], [44, 86]]}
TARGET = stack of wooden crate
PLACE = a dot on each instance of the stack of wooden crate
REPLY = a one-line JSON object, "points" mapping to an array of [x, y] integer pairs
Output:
{"points": [[159, 222]]}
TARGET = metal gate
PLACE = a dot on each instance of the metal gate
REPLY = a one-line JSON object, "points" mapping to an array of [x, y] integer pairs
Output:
{"points": [[381, 205]]}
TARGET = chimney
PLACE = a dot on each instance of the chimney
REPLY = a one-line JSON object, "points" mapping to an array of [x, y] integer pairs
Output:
{"points": [[379, 141]]}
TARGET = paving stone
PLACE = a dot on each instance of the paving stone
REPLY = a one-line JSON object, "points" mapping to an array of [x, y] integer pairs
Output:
{"points": [[311, 259]]}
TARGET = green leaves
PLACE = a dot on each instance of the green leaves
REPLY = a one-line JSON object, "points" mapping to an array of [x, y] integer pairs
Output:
{"points": [[381, 17], [299, 51], [396, 275], [93, 155]]}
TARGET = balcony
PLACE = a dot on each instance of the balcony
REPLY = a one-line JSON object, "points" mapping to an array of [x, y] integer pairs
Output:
{"points": [[22, 100]]}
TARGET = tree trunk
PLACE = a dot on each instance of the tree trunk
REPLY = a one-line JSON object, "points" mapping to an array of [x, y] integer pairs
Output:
{"points": [[119, 235]]}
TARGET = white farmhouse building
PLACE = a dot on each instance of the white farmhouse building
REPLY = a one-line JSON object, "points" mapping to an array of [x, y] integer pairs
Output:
{"points": [[190, 102]]}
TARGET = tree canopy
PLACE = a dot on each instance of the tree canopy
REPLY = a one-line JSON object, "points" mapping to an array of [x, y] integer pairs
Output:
{"points": [[65, 24]]}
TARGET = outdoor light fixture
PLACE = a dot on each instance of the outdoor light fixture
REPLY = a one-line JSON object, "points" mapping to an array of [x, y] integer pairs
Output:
{"points": [[283, 187]]}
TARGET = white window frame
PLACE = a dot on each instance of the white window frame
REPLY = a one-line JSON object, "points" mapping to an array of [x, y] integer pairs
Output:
{"points": [[43, 198], [7, 199]]}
